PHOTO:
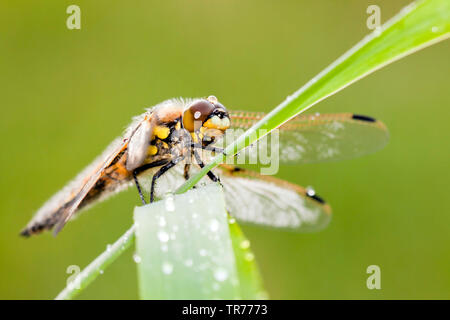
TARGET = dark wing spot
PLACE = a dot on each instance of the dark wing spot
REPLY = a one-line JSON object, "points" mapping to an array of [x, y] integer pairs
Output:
{"points": [[25, 233], [363, 118], [316, 197]]}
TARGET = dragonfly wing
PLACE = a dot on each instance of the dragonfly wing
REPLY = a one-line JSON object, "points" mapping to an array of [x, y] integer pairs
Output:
{"points": [[60, 207], [256, 199], [139, 143], [315, 138], [73, 205], [267, 201]]}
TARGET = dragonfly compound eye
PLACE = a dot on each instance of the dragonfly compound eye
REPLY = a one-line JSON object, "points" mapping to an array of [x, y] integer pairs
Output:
{"points": [[207, 113], [196, 114]]}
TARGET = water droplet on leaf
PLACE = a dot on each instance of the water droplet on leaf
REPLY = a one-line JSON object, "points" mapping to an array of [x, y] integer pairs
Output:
{"points": [[214, 225], [169, 203], [167, 268], [163, 236], [249, 256], [162, 221], [137, 258], [245, 244], [220, 274]]}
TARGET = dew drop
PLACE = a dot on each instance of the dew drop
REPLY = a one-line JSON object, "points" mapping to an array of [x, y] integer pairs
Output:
{"points": [[249, 256], [245, 244], [220, 274], [162, 221], [108, 247], [163, 236], [188, 263], [101, 271], [212, 99], [137, 258], [203, 252], [435, 29], [214, 225], [169, 203], [231, 220], [197, 114], [167, 268], [310, 191]]}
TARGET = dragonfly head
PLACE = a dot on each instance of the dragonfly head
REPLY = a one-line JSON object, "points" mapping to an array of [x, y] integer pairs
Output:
{"points": [[206, 119]]}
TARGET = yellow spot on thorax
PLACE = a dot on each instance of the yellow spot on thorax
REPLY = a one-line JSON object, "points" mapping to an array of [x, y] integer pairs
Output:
{"points": [[152, 150], [161, 132]]}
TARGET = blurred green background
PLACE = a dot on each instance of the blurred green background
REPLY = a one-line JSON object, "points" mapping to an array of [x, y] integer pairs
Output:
{"points": [[65, 94]]}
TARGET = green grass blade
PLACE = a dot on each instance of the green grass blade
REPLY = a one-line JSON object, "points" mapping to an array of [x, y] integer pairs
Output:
{"points": [[417, 26], [248, 273], [185, 249], [249, 279]]}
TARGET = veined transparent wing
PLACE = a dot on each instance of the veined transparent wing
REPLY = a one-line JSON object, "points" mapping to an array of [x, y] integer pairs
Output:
{"points": [[315, 138], [267, 201], [260, 200]]}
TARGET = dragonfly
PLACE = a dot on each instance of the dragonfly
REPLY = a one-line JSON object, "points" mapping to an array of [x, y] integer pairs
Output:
{"points": [[166, 144]]}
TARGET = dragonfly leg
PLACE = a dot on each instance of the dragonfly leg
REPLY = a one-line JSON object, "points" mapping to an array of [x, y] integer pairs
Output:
{"points": [[139, 188], [200, 163], [142, 169], [209, 148], [150, 165], [186, 171], [158, 174], [215, 149]]}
